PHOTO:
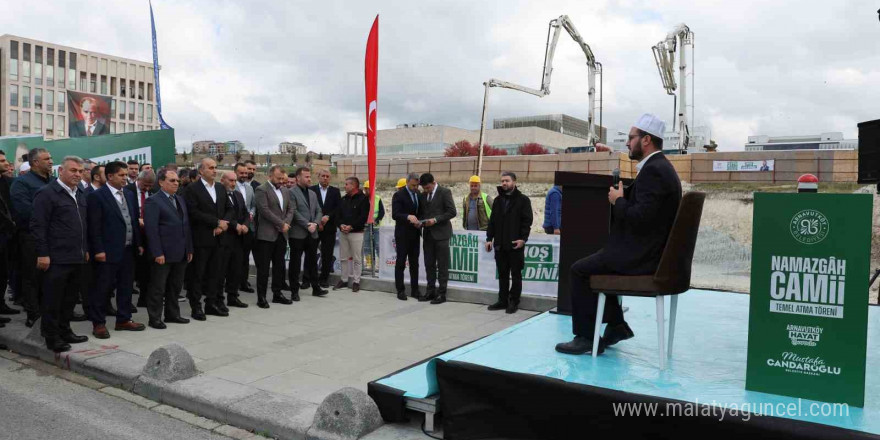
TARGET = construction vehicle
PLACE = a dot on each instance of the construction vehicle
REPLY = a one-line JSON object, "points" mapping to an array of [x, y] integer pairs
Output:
{"points": [[594, 69], [665, 51]]}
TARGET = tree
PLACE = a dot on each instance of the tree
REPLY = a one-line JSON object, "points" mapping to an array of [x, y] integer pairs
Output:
{"points": [[185, 157], [220, 158], [320, 156], [464, 148], [293, 158], [237, 156], [532, 149], [253, 156], [308, 159]]}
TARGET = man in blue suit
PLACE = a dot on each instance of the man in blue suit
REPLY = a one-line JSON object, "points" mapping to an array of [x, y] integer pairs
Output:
{"points": [[169, 248], [114, 240]]}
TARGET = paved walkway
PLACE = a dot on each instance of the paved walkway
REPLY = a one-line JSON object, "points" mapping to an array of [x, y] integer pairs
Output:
{"points": [[316, 346]]}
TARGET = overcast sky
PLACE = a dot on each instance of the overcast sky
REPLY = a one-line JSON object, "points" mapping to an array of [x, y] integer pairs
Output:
{"points": [[294, 70]]}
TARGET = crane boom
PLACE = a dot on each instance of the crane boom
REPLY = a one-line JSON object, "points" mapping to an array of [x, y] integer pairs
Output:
{"points": [[593, 68], [664, 56]]}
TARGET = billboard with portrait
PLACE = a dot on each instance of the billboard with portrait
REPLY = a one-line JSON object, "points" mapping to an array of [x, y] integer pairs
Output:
{"points": [[89, 114]]}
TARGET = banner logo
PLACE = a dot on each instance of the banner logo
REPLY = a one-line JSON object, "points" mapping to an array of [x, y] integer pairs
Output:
{"points": [[811, 366], [808, 286], [809, 226], [804, 335]]}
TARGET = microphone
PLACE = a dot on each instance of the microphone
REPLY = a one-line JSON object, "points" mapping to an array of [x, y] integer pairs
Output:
{"points": [[615, 177]]}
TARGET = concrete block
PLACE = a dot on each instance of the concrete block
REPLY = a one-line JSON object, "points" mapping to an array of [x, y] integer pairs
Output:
{"points": [[187, 417], [206, 395], [236, 433], [347, 414], [170, 363], [284, 417], [150, 388], [118, 368]]}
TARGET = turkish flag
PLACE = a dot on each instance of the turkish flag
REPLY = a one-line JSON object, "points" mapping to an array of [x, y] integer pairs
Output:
{"points": [[371, 76]]}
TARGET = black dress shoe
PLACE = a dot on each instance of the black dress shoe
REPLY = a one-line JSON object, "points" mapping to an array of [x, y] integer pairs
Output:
{"points": [[402, 296], [424, 298], [214, 311], [294, 296], [324, 284], [6, 310], [78, 318], [158, 325], [221, 307], [177, 320], [280, 299], [616, 333], [30, 321], [304, 285], [197, 313], [319, 292], [579, 345], [498, 306], [134, 309], [135, 291], [440, 299], [262, 304], [512, 307], [414, 293], [431, 295], [57, 345], [340, 285], [235, 302], [246, 289], [285, 287], [72, 338]]}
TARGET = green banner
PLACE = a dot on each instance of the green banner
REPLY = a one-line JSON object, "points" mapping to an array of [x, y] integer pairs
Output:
{"points": [[808, 307], [155, 147], [540, 266], [464, 265]]}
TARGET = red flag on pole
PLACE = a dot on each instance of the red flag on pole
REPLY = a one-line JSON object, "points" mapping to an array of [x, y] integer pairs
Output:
{"points": [[371, 76]]}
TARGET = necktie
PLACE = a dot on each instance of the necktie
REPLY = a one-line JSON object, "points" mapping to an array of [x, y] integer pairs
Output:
{"points": [[173, 202], [120, 197], [415, 200], [91, 129], [143, 200], [430, 197]]}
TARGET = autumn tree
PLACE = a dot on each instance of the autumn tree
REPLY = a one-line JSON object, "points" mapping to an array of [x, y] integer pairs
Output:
{"points": [[531, 149], [464, 148]]}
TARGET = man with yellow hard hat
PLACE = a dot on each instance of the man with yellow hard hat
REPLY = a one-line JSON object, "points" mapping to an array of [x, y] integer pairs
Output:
{"points": [[477, 207]]}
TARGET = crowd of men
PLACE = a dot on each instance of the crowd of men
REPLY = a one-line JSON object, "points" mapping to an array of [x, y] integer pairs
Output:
{"points": [[115, 230]]}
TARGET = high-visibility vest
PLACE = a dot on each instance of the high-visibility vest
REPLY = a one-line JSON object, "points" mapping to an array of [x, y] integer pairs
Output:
{"points": [[486, 205], [376, 210]]}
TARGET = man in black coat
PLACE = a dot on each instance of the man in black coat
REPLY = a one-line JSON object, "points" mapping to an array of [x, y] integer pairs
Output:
{"points": [[508, 231], [405, 209], [59, 227], [329, 199], [114, 241], [7, 234], [438, 209], [169, 247], [233, 241], [211, 216], [642, 216]]}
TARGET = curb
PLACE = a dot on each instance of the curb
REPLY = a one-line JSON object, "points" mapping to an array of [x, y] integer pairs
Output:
{"points": [[226, 402]]}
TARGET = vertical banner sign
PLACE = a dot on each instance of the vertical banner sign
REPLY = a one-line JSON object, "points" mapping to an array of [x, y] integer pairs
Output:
{"points": [[808, 307], [162, 124], [371, 76]]}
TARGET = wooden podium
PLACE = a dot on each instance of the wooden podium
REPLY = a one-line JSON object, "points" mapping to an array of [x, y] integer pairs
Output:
{"points": [[585, 224]]}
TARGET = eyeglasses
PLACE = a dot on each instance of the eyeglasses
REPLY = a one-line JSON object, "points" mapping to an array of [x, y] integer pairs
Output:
{"points": [[172, 180]]}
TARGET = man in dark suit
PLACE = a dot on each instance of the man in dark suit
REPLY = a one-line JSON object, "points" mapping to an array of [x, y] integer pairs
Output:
{"points": [[407, 234], [642, 216], [170, 248], [329, 199], [211, 216], [233, 241], [507, 232], [252, 171], [59, 227], [243, 187], [438, 209], [303, 234], [98, 179], [274, 216], [142, 187], [7, 233], [114, 240]]}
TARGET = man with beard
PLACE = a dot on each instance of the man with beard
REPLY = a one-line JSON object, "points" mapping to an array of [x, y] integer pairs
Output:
{"points": [[233, 240], [243, 186], [642, 217], [329, 198], [507, 232]]}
